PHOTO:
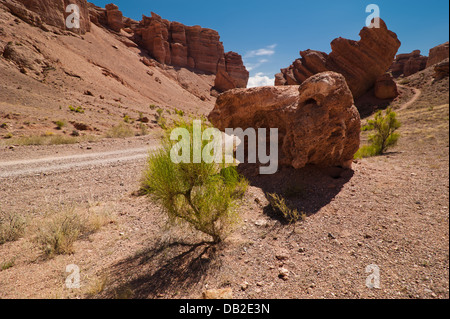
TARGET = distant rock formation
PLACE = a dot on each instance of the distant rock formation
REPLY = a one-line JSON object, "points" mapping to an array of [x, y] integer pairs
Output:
{"points": [[438, 54], [360, 62], [50, 12], [173, 43], [408, 63], [317, 121], [170, 43], [441, 70]]}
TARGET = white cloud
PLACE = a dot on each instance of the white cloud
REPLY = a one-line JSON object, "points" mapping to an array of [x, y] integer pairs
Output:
{"points": [[267, 51], [260, 80], [252, 66]]}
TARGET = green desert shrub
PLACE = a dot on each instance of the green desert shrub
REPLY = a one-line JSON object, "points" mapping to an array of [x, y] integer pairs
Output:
{"points": [[384, 134], [203, 195], [279, 206]]}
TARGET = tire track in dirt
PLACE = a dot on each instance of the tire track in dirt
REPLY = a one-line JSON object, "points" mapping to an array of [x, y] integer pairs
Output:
{"points": [[66, 163]]}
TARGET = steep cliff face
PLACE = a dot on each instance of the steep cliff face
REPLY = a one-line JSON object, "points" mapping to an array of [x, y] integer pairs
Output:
{"points": [[173, 43], [169, 43], [360, 62]]}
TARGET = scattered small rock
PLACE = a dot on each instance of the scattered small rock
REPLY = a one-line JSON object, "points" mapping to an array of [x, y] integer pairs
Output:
{"points": [[283, 273], [331, 236], [226, 293], [244, 286]]}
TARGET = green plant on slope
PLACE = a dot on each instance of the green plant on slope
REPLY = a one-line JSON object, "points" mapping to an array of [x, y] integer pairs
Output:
{"points": [[384, 136], [204, 195]]}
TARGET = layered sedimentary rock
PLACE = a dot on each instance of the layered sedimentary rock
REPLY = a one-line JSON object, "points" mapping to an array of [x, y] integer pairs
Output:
{"points": [[114, 17], [170, 43], [408, 63], [441, 69], [192, 47], [317, 121], [50, 12], [385, 87], [360, 62], [438, 54]]}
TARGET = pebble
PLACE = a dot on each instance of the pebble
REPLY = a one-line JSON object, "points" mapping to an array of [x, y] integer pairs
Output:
{"points": [[283, 273]]}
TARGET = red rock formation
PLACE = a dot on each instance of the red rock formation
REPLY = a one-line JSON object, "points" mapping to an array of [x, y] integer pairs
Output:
{"points": [[441, 70], [50, 12], [408, 64], [193, 47], [317, 121], [438, 54], [114, 17], [385, 87], [360, 62], [170, 43]]}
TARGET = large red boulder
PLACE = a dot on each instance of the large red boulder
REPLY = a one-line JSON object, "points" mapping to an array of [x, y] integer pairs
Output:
{"points": [[317, 121]]}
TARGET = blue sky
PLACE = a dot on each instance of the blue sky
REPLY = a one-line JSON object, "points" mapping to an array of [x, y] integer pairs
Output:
{"points": [[270, 34]]}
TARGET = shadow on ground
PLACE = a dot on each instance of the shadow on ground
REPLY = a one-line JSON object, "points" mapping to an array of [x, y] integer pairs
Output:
{"points": [[307, 189], [163, 271]]}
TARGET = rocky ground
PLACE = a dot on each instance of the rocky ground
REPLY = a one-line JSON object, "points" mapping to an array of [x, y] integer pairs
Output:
{"points": [[390, 211]]}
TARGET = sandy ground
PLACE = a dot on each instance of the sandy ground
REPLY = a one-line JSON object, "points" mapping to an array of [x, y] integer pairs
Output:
{"points": [[390, 211]]}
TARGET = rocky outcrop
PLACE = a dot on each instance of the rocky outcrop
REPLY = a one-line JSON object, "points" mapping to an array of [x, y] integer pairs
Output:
{"points": [[170, 43], [231, 75], [114, 17], [317, 121], [441, 70], [50, 12], [408, 63], [360, 62], [191, 47], [438, 54], [385, 87]]}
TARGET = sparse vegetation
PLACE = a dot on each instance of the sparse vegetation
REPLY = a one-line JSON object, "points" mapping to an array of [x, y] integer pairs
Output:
{"points": [[153, 107], [179, 112], [201, 194], [9, 135], [7, 264], [60, 124], [62, 228], [384, 136], [120, 131], [12, 227], [278, 204], [77, 109], [126, 119]]}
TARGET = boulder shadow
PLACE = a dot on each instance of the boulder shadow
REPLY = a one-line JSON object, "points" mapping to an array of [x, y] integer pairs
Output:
{"points": [[307, 190]]}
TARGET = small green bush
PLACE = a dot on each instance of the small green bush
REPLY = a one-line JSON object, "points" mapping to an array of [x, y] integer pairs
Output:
{"points": [[60, 124], [202, 195], [77, 109], [384, 136], [279, 205]]}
